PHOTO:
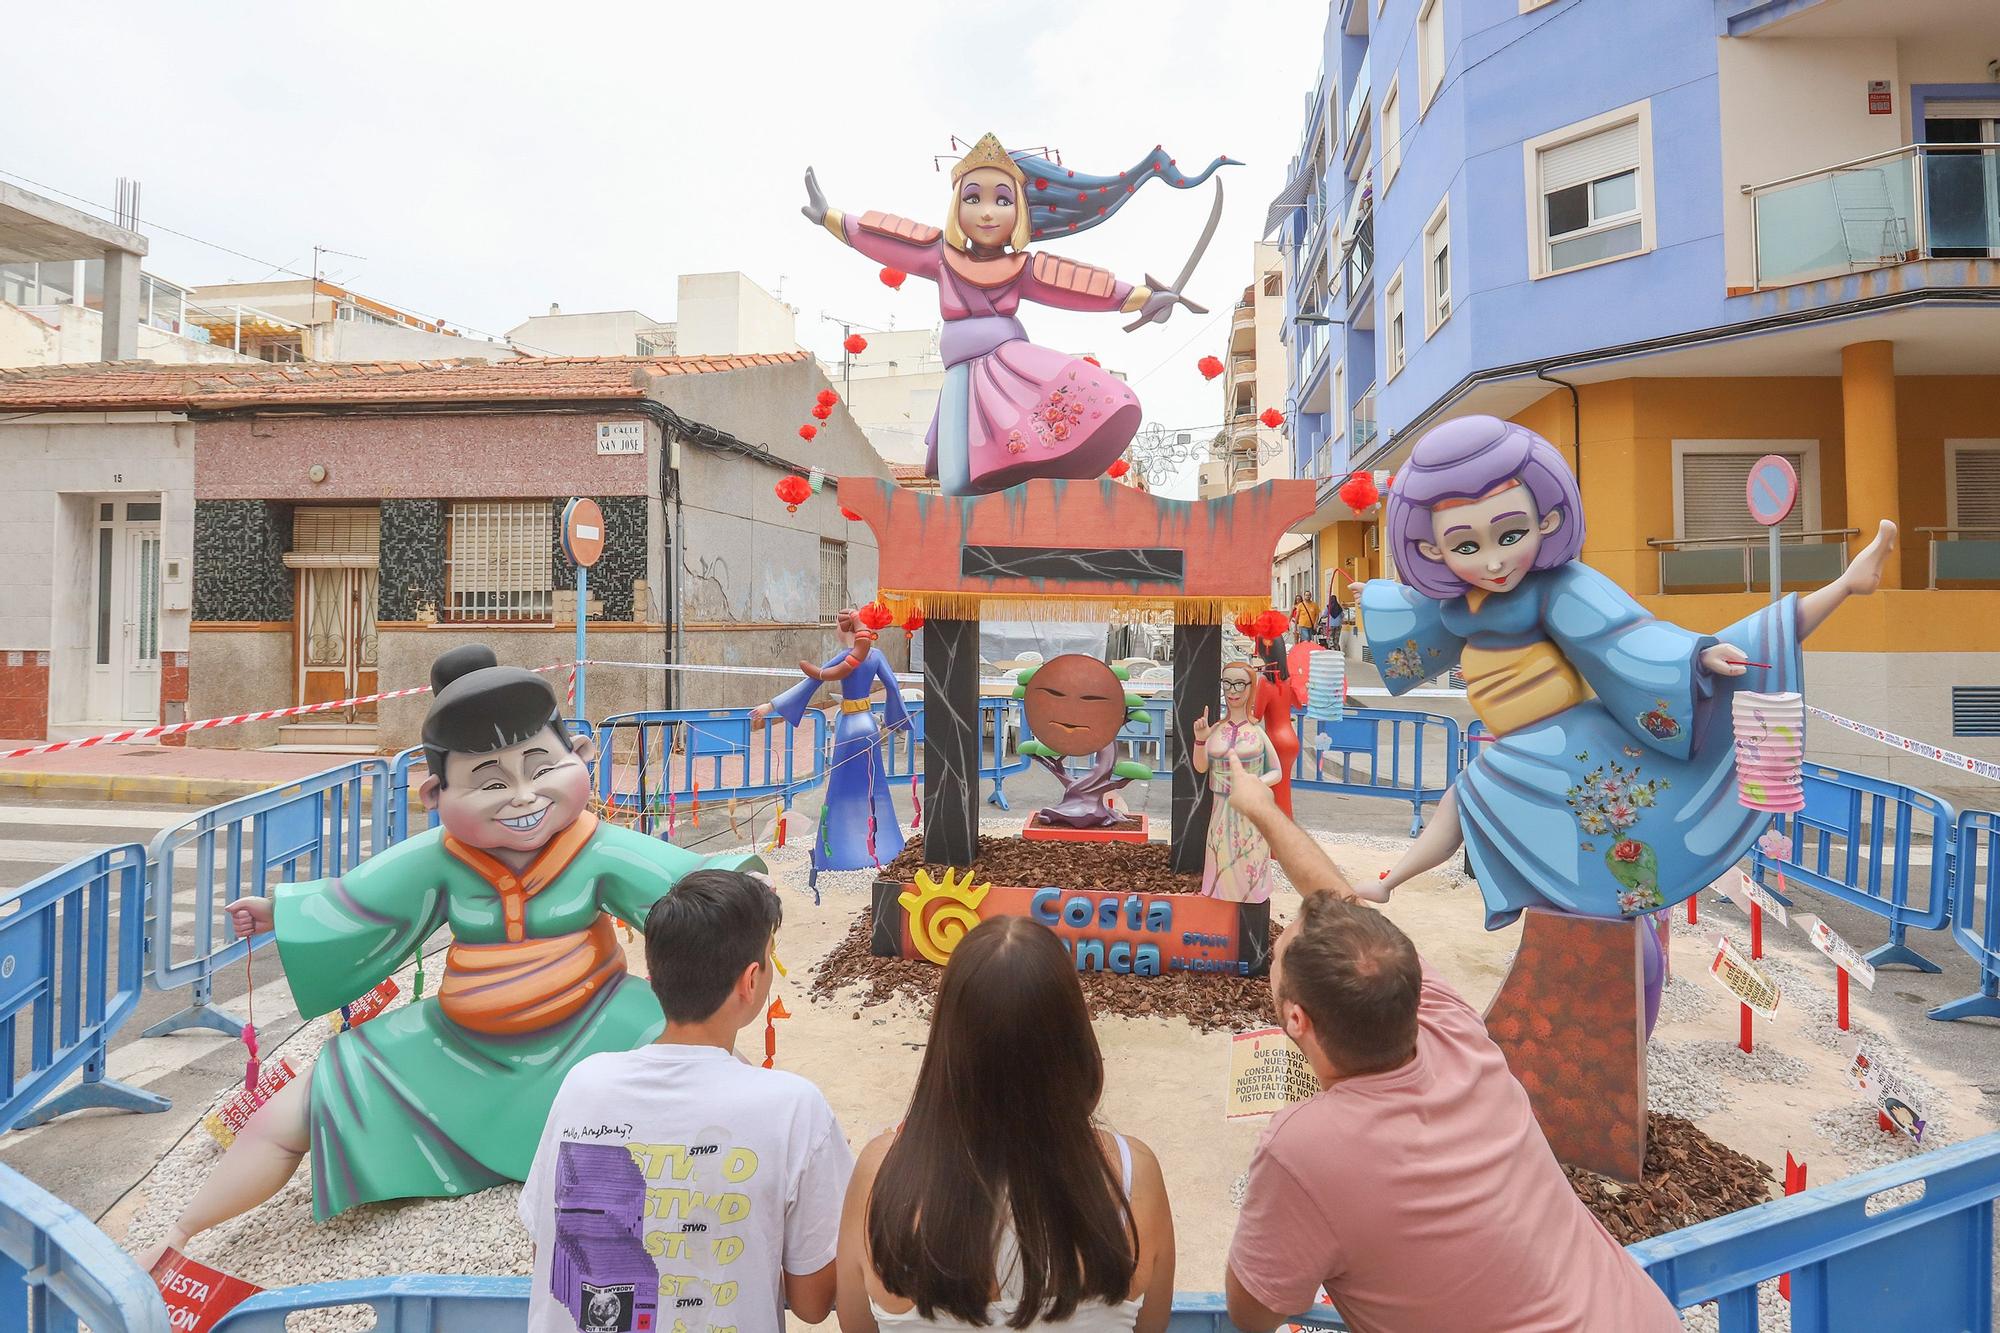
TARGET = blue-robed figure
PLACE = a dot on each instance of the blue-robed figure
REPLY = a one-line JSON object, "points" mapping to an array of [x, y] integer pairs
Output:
{"points": [[1608, 788], [858, 825]]}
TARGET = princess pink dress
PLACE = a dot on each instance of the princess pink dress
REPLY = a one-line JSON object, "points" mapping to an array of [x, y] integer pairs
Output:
{"points": [[1010, 410]]}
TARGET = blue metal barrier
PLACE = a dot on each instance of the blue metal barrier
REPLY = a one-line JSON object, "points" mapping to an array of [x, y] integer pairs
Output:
{"points": [[685, 752], [56, 1268], [309, 829], [61, 980], [1855, 838], [1975, 910], [1926, 1263], [1000, 726], [1395, 745]]}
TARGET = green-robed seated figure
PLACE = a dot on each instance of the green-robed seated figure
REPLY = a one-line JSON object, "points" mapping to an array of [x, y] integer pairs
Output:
{"points": [[447, 1095]]}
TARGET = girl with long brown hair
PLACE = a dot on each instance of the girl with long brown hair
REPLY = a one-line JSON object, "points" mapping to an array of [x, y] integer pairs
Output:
{"points": [[998, 1202]]}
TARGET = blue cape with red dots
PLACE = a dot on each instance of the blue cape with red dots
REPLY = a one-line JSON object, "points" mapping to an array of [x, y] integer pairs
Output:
{"points": [[1062, 202]]}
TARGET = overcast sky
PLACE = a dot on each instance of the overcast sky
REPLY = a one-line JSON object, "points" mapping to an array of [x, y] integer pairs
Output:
{"points": [[489, 159]]}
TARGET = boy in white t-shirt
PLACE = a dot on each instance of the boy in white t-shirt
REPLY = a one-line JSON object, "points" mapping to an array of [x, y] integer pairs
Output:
{"points": [[676, 1186]]}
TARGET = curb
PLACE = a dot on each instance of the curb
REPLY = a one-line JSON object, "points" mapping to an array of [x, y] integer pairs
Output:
{"points": [[159, 790]]}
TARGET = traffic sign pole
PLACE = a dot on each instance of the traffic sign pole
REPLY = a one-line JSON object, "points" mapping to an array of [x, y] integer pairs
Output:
{"points": [[582, 616], [1771, 491], [583, 543]]}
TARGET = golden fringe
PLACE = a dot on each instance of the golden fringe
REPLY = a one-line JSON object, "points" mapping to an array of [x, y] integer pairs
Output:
{"points": [[1066, 606]]}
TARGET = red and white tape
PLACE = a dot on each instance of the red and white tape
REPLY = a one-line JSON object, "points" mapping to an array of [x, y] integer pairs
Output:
{"points": [[1964, 763], [235, 719]]}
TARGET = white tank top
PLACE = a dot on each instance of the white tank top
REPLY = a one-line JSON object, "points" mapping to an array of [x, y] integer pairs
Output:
{"points": [[1090, 1317]]}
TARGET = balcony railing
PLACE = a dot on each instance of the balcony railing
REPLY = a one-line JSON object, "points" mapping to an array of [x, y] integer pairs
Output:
{"points": [[1357, 109], [1964, 555], [1359, 262], [1924, 201], [1742, 561], [1361, 424]]}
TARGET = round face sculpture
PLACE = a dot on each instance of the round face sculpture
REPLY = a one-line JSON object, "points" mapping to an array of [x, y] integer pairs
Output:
{"points": [[1075, 704]]}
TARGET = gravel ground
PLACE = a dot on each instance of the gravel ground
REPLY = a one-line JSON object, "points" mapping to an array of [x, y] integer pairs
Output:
{"points": [[1687, 1079]]}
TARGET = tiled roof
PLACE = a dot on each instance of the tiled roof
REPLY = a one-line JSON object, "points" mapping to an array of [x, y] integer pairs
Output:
{"points": [[148, 386]]}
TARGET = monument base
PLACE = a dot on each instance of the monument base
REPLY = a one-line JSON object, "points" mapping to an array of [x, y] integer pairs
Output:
{"points": [[1571, 1019], [1134, 829]]}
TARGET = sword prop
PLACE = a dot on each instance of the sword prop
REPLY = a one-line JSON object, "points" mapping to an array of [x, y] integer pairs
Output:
{"points": [[1187, 269]]}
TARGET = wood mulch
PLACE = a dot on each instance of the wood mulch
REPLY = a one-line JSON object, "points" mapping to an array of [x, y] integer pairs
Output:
{"points": [[1113, 867], [1689, 1178]]}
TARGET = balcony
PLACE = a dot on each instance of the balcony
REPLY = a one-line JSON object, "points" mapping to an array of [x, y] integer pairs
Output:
{"points": [[1243, 326], [1358, 263], [1741, 562], [1361, 424], [1924, 201], [1964, 557], [1356, 117]]}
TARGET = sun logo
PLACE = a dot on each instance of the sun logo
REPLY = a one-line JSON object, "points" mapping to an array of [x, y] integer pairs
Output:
{"points": [[940, 912]]}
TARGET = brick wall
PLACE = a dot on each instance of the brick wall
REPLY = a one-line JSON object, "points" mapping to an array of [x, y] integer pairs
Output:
{"points": [[24, 695]]}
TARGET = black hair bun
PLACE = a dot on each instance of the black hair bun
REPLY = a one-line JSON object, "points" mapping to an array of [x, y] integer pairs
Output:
{"points": [[456, 662]]}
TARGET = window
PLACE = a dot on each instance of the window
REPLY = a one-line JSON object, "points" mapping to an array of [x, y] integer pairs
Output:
{"points": [[832, 579], [1709, 481], [500, 561], [1274, 284], [1392, 319], [1972, 488], [1588, 190], [1392, 133], [1437, 268], [1430, 53], [1340, 400]]}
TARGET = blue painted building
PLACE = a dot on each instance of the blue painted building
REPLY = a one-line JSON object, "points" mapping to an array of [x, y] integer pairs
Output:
{"points": [[1672, 238]]}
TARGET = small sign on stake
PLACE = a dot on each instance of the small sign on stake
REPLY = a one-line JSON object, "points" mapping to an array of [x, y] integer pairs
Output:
{"points": [[1841, 952], [1267, 1073], [224, 1121], [1735, 974]]}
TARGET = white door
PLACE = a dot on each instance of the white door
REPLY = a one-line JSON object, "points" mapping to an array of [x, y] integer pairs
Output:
{"points": [[125, 613], [142, 625]]}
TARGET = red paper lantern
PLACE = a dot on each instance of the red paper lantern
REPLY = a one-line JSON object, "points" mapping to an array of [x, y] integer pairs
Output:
{"points": [[1358, 492], [892, 277], [1209, 366], [827, 398], [875, 615], [1272, 417], [822, 411], [1247, 626], [793, 490], [855, 344], [807, 431], [913, 622], [1270, 624], [849, 514], [1118, 468]]}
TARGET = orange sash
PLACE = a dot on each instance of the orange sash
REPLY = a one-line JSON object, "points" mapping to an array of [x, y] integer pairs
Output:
{"points": [[510, 989]]}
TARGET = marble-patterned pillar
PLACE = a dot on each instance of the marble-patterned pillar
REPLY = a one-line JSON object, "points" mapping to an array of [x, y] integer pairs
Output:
{"points": [[951, 742], [1197, 685]]}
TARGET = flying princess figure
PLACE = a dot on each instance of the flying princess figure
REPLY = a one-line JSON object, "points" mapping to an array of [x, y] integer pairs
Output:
{"points": [[1011, 410]]}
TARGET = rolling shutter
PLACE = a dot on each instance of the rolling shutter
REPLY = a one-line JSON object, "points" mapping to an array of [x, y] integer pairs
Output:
{"points": [[1593, 157], [1712, 495], [1975, 483], [500, 561], [328, 538]]}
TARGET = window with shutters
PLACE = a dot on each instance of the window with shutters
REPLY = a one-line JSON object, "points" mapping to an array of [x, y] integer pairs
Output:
{"points": [[832, 580], [1437, 268], [1392, 319], [328, 538], [1588, 191], [1392, 133], [1430, 53], [500, 561], [1972, 489], [1710, 478], [1975, 710]]}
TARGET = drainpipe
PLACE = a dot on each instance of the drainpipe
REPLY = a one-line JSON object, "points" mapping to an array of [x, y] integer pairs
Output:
{"points": [[676, 636], [1575, 422]]}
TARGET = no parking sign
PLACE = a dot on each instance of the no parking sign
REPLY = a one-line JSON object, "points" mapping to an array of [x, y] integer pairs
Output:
{"points": [[1771, 491]]}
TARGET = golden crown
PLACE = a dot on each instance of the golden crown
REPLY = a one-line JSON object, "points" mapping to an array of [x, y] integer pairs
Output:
{"points": [[987, 153]]}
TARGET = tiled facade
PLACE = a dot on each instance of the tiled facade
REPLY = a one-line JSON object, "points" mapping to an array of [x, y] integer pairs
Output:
{"points": [[239, 560], [412, 558], [624, 558]]}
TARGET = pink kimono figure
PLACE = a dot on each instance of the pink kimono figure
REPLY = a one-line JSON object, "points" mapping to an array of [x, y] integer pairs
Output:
{"points": [[1011, 410]]}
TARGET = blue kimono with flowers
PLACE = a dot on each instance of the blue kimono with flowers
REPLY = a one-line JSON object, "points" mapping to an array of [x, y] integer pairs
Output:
{"points": [[1609, 787]]}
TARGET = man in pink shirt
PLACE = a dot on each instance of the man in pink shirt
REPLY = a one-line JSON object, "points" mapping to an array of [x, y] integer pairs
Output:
{"points": [[1416, 1187]]}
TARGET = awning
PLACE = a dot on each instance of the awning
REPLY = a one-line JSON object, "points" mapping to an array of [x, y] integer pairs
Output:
{"points": [[1294, 195]]}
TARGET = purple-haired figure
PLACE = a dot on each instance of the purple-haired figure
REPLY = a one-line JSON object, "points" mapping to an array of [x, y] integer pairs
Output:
{"points": [[1606, 788]]}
